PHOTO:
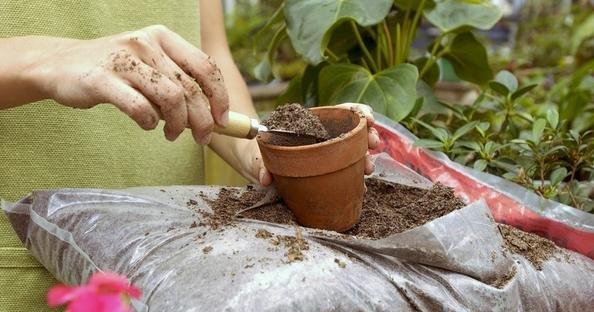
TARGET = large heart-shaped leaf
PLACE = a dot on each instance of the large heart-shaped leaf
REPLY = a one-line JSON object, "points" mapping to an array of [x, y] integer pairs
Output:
{"points": [[448, 15], [469, 58], [391, 92], [310, 23]]}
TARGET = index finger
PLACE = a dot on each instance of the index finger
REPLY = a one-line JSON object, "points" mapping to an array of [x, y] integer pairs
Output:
{"points": [[201, 67]]}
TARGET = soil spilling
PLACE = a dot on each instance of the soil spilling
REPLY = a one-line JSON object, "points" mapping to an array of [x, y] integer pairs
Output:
{"points": [[388, 208], [534, 248], [296, 118]]}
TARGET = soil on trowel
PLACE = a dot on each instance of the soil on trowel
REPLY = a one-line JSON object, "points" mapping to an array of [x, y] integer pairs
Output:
{"points": [[534, 248], [296, 118], [390, 208]]}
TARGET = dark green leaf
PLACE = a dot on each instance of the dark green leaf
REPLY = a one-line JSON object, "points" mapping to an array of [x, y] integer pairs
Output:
{"points": [[448, 15], [293, 93], [469, 59], [499, 88], [440, 133], [558, 175], [431, 76], [391, 92], [475, 146], [463, 130], [310, 23], [522, 91]]}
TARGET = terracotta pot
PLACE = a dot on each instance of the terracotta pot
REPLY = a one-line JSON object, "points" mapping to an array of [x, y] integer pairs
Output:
{"points": [[323, 183]]}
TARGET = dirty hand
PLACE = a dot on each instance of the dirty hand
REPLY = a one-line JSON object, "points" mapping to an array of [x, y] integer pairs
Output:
{"points": [[265, 178], [148, 74]]}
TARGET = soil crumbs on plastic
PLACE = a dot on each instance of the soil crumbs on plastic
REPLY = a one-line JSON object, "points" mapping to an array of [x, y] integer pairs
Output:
{"points": [[534, 248], [296, 118], [228, 203], [390, 208]]}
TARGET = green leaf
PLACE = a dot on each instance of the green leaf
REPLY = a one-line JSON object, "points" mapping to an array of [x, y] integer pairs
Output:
{"points": [[391, 92], [482, 128], [293, 93], [538, 129], [472, 145], [310, 23], [432, 75], [583, 31], [428, 143], [439, 133], [553, 118], [412, 4], [449, 15], [463, 130], [499, 88], [558, 175], [522, 91], [480, 165], [268, 38], [469, 59], [508, 80]]}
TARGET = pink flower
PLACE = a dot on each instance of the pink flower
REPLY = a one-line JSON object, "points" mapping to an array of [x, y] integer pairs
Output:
{"points": [[105, 292]]}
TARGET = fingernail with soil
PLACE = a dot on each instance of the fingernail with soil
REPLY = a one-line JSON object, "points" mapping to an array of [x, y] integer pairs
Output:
{"points": [[206, 139]]}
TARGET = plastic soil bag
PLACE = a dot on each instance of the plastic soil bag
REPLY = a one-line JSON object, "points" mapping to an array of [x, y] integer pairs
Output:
{"points": [[186, 250]]}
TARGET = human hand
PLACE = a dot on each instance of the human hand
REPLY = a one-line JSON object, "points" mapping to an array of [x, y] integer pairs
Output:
{"points": [[149, 74], [258, 171]]}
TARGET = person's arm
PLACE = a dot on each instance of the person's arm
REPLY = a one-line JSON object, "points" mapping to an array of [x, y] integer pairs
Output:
{"points": [[243, 155], [148, 74]]}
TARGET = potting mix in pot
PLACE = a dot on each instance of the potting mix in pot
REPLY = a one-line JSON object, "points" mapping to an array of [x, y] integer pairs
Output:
{"points": [[407, 244]]}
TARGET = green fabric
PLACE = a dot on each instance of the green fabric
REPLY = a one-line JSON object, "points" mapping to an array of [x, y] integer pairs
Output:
{"points": [[45, 145]]}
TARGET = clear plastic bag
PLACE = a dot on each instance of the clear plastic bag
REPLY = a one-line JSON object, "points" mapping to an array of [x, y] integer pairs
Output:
{"points": [[452, 263]]}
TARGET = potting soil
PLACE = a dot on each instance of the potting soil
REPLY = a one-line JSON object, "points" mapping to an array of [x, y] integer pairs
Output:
{"points": [[163, 240], [296, 118]]}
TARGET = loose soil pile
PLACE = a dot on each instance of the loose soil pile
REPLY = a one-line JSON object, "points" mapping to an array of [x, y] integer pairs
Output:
{"points": [[296, 118], [534, 248], [388, 208]]}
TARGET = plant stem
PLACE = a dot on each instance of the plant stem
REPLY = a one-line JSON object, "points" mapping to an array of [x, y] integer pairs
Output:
{"points": [[363, 47], [332, 56], [432, 55], [378, 47], [388, 43], [397, 44], [416, 19]]}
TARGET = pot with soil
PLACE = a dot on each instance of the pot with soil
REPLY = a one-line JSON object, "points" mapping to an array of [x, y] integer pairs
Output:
{"points": [[322, 183]]}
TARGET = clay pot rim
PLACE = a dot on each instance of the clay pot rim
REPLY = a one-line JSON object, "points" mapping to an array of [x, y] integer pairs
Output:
{"points": [[336, 140]]}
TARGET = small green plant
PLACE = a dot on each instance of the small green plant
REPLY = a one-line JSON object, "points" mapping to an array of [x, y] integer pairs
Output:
{"points": [[361, 51], [499, 135]]}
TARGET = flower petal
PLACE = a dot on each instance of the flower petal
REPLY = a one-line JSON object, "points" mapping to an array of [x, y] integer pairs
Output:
{"points": [[59, 295]]}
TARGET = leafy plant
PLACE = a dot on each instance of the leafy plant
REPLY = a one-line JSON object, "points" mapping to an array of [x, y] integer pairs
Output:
{"points": [[497, 134], [361, 51]]}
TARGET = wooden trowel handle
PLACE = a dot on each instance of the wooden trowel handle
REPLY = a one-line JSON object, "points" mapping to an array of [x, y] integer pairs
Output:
{"points": [[240, 126]]}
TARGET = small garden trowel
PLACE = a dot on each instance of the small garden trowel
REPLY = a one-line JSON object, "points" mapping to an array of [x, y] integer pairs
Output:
{"points": [[244, 127]]}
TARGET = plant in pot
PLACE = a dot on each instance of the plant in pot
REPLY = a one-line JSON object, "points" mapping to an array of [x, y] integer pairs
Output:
{"points": [[361, 51]]}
